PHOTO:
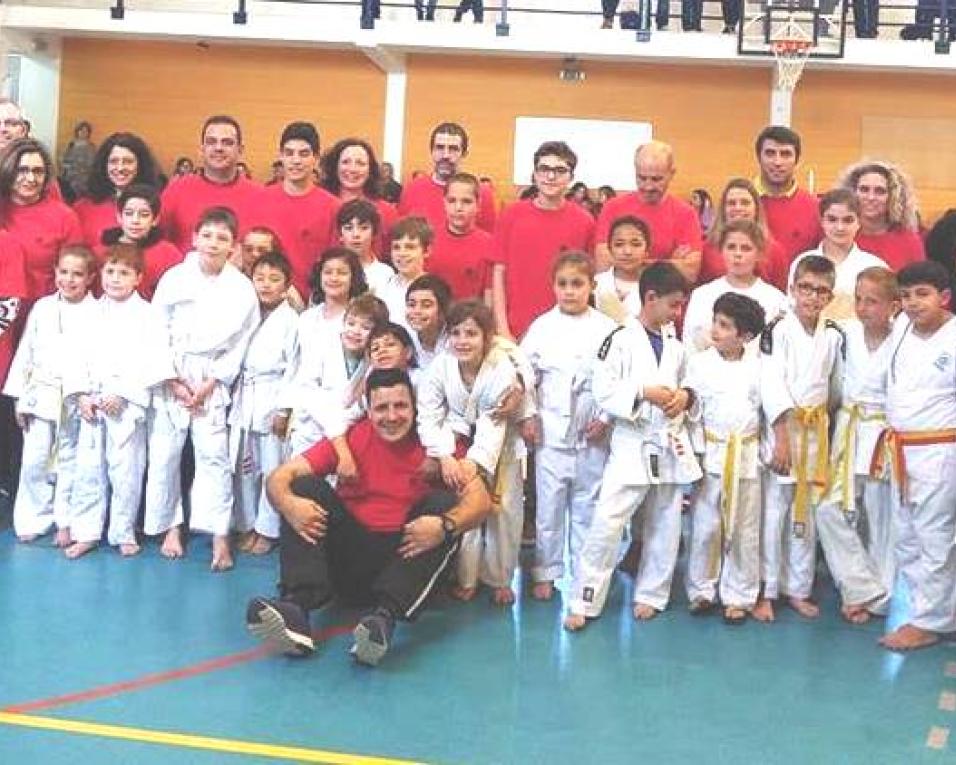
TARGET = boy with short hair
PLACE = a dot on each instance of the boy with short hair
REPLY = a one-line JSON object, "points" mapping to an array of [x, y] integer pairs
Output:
{"points": [[637, 381], [411, 246], [863, 572], [427, 301], [257, 423], [725, 382], [138, 209], [801, 364], [921, 450], [461, 251], [209, 311], [125, 358], [358, 224]]}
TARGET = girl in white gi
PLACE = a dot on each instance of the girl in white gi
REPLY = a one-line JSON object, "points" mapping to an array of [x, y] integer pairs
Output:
{"points": [[840, 221], [210, 311], [637, 382], [359, 224], [411, 242], [742, 244], [465, 400], [49, 351], [569, 435], [725, 541], [864, 572], [124, 358], [616, 291], [426, 306], [921, 448], [257, 425], [801, 365]]}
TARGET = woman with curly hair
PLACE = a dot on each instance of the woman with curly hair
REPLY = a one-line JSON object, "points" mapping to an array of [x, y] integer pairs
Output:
{"points": [[887, 212], [351, 171], [121, 160]]}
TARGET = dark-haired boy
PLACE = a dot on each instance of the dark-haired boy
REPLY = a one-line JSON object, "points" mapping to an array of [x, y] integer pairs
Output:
{"points": [[411, 246], [426, 304], [358, 225]]}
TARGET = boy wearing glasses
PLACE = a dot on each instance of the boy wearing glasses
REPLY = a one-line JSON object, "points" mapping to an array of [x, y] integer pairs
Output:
{"points": [[531, 233], [801, 364]]}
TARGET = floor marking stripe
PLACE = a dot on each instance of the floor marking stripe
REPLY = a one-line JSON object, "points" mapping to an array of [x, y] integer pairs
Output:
{"points": [[232, 746], [938, 737], [113, 689]]}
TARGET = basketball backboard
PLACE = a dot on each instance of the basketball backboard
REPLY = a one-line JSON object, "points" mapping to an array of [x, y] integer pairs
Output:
{"points": [[822, 22]]}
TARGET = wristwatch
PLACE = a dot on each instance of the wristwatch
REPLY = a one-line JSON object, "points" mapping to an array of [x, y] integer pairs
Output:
{"points": [[449, 527]]}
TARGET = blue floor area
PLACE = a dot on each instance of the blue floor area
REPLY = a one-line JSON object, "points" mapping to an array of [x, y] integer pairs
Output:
{"points": [[469, 683]]}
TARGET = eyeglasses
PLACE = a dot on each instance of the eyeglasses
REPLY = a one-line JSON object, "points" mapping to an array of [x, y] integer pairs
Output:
{"points": [[557, 171], [808, 290], [39, 172]]}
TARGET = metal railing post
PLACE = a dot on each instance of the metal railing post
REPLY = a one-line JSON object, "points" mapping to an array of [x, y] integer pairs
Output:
{"points": [[240, 16], [118, 11], [501, 28]]}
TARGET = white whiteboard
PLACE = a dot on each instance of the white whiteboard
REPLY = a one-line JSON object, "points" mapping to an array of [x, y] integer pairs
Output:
{"points": [[605, 148]]}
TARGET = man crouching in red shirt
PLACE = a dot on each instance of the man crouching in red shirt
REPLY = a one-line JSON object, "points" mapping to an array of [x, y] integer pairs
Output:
{"points": [[383, 539]]}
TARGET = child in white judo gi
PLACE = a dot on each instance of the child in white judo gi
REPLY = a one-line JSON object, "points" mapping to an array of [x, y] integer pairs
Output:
{"points": [[638, 382], [49, 351], [258, 425], [426, 305], [569, 434], [124, 358], [617, 290], [862, 568], [210, 311], [359, 226], [800, 371], [725, 538], [411, 245], [920, 446]]}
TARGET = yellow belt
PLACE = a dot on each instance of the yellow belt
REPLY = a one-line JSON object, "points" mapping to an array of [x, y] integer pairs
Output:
{"points": [[845, 469], [809, 419], [729, 489], [890, 450]]}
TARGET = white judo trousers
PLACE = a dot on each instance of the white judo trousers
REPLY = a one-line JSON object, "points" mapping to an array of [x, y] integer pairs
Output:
{"points": [[259, 455]]}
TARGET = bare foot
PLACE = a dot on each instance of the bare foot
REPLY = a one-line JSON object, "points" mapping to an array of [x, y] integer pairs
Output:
{"points": [[62, 538], [806, 608], [463, 593], [574, 622], [909, 638], [855, 614], [700, 607], [129, 550], [27, 538], [262, 545], [643, 612], [172, 544], [763, 611], [543, 591], [735, 615], [502, 596], [221, 554], [246, 541], [78, 549]]}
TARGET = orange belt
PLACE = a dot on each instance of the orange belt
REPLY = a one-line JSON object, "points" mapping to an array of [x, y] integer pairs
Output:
{"points": [[890, 451]]}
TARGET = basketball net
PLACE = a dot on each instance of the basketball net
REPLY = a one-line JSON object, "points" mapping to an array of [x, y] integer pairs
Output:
{"points": [[790, 46]]}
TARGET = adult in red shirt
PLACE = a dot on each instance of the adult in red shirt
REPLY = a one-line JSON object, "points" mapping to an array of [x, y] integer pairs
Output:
{"points": [[530, 235], [425, 195], [301, 213], [461, 252], [888, 224], [41, 225], [13, 290], [792, 214], [351, 171], [740, 201], [12, 124], [383, 539], [218, 184], [120, 161], [674, 225]]}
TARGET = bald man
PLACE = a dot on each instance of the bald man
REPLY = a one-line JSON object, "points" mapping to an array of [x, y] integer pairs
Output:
{"points": [[675, 229]]}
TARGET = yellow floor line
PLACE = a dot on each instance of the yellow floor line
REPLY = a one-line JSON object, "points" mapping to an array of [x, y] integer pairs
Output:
{"points": [[232, 746]]}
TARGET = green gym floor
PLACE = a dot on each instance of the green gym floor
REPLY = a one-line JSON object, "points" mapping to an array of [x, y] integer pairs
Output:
{"points": [[144, 661]]}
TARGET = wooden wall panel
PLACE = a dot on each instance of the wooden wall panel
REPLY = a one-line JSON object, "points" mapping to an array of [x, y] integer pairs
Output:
{"points": [[164, 91]]}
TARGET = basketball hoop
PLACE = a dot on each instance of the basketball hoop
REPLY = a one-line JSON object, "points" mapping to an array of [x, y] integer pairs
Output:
{"points": [[791, 48]]}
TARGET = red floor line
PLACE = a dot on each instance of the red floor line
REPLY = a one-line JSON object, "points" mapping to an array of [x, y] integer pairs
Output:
{"points": [[157, 678]]}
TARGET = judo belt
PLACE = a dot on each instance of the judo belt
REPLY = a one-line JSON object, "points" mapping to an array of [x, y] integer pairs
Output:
{"points": [[845, 469], [729, 488], [809, 419], [890, 450], [53, 457]]}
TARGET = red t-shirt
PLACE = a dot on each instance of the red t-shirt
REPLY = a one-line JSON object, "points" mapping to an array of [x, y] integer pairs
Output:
{"points": [[462, 260], [389, 215], [389, 479], [305, 225], [42, 229], [158, 256], [672, 223], [527, 242], [793, 222], [896, 248], [95, 218], [425, 197], [185, 200], [773, 269], [13, 284]]}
